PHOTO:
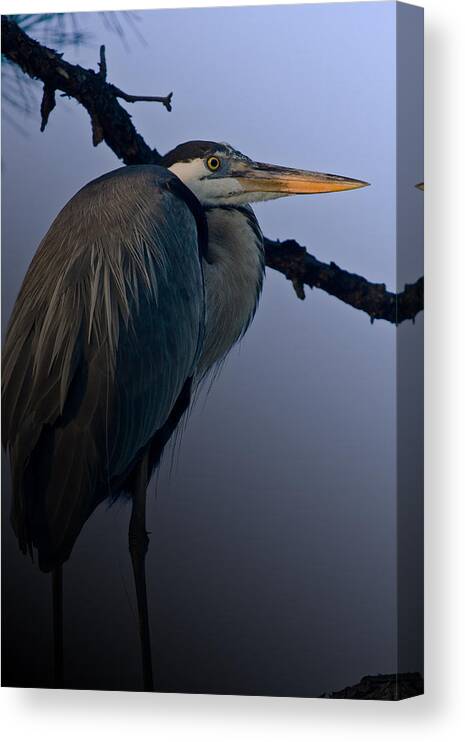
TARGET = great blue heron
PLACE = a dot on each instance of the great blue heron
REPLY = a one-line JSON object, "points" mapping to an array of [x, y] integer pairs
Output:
{"points": [[145, 280]]}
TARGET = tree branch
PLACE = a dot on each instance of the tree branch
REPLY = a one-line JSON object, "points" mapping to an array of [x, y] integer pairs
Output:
{"points": [[164, 99], [293, 261], [112, 123]]}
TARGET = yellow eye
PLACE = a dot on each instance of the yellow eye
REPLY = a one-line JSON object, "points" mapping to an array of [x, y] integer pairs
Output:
{"points": [[213, 163]]}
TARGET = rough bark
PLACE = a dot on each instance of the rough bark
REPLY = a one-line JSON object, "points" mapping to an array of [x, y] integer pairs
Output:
{"points": [[383, 687], [301, 269]]}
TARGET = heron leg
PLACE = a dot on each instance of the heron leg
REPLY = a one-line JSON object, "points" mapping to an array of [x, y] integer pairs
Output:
{"points": [[57, 598], [138, 546]]}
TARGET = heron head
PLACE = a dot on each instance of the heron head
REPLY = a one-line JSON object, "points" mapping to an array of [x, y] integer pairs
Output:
{"points": [[221, 176]]}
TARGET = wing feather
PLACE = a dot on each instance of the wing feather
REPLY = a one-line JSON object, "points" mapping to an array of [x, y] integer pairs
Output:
{"points": [[105, 332]]}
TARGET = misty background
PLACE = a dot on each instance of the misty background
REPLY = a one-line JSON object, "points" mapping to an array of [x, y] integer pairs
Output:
{"points": [[272, 561]]}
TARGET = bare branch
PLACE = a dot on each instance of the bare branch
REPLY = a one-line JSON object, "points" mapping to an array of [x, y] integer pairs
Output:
{"points": [[293, 261], [165, 99], [110, 121]]}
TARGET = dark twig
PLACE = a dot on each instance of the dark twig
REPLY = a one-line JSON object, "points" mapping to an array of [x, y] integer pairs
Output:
{"points": [[47, 105], [103, 63], [301, 268], [112, 123], [165, 99]]}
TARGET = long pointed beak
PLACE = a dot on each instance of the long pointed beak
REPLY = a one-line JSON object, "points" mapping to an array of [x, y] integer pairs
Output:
{"points": [[263, 178]]}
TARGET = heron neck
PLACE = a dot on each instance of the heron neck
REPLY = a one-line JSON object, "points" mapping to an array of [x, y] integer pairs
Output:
{"points": [[233, 279]]}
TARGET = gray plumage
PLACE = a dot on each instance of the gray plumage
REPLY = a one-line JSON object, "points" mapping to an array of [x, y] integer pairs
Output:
{"points": [[90, 371], [144, 282], [109, 325]]}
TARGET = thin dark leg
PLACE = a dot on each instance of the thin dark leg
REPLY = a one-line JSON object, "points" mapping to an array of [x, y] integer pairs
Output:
{"points": [[57, 596], [138, 545]]}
